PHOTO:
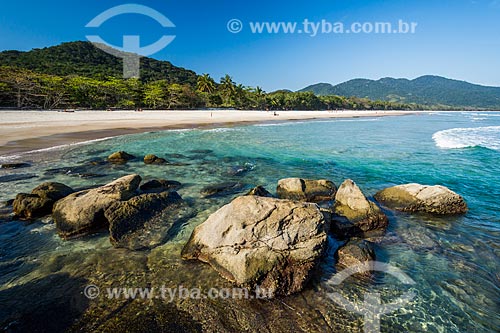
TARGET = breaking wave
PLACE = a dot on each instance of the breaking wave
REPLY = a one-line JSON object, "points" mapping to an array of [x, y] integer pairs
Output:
{"points": [[487, 137]]}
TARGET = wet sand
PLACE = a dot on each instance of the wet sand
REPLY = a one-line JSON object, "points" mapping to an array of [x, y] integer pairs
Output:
{"points": [[23, 131]]}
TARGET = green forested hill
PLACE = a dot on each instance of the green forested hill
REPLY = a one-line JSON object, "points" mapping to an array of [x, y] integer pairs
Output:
{"points": [[425, 90], [80, 75], [84, 59]]}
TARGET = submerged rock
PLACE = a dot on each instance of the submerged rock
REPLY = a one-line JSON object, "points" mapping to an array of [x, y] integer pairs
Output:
{"points": [[82, 212], [120, 157], [14, 165], [145, 220], [308, 190], [355, 252], [153, 159], [8, 203], [221, 189], [201, 151], [413, 197], [260, 191], [6, 211], [175, 155], [261, 242], [419, 238], [40, 201], [240, 170], [83, 171], [354, 215], [160, 185], [16, 177]]}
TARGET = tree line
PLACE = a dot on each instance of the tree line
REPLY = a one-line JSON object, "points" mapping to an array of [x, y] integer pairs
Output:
{"points": [[22, 88]]}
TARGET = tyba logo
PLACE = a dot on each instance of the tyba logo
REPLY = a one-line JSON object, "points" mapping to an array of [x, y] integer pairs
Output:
{"points": [[131, 51]]}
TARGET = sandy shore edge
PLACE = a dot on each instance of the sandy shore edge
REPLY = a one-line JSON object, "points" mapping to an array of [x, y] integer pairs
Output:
{"points": [[26, 131]]}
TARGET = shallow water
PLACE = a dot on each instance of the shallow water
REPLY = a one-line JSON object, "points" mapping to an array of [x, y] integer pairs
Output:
{"points": [[454, 261]]}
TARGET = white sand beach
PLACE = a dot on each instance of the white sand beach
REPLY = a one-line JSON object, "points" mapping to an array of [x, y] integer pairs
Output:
{"points": [[22, 131]]}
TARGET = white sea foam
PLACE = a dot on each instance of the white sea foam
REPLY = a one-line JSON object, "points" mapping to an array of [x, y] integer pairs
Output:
{"points": [[9, 158], [319, 121], [219, 129], [487, 137]]}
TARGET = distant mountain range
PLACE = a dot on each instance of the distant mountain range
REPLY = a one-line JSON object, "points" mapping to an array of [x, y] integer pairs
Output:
{"points": [[84, 59], [425, 90]]}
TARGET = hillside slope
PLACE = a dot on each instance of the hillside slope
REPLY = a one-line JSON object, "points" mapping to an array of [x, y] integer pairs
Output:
{"points": [[428, 90]]}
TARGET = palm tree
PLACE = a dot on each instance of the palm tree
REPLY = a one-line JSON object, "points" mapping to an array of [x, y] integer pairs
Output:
{"points": [[259, 92], [240, 94], [228, 88], [260, 97], [227, 84], [205, 84]]}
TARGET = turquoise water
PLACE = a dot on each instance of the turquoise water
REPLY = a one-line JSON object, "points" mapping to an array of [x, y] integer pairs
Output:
{"points": [[454, 261]]}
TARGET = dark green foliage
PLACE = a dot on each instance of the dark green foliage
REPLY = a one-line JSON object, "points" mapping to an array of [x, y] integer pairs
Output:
{"points": [[79, 75], [426, 90], [84, 59]]}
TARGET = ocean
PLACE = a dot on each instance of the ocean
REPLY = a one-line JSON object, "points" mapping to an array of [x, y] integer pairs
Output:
{"points": [[454, 261]]}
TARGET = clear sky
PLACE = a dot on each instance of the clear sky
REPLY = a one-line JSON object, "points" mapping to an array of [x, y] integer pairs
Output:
{"points": [[458, 39]]}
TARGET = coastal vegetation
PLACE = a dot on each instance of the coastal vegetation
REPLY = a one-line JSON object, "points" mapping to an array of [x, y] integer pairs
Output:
{"points": [[79, 75], [24, 88]]}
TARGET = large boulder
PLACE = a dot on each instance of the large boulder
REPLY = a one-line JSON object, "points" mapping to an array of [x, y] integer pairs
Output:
{"points": [[261, 242], [120, 157], [40, 201], [355, 252], [145, 220], [308, 190], [82, 212], [413, 197], [354, 215]]}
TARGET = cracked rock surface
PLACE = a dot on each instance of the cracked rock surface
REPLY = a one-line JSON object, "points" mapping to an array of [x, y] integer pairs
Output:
{"points": [[261, 242], [438, 200], [355, 215]]}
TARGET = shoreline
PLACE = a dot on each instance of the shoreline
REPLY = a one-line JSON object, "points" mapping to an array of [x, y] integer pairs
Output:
{"points": [[24, 132]]}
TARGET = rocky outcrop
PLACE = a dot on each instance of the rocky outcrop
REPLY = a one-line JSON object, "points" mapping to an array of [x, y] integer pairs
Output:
{"points": [[307, 190], [255, 241], [160, 185], [40, 201], [120, 157], [82, 212], [354, 215], [260, 191], [355, 252], [437, 200], [145, 220], [221, 189], [153, 159]]}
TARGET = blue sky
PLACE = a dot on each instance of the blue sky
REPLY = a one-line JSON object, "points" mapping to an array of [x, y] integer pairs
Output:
{"points": [[459, 39]]}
